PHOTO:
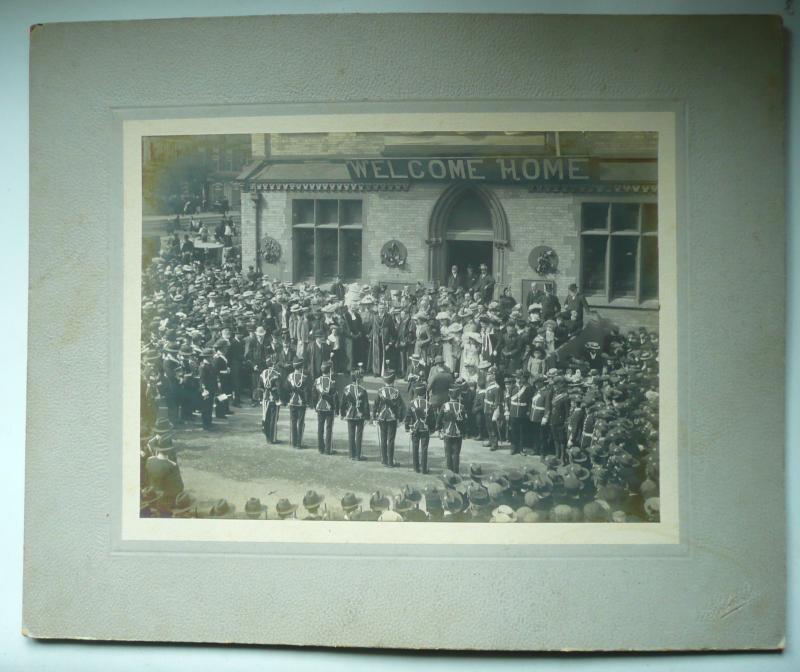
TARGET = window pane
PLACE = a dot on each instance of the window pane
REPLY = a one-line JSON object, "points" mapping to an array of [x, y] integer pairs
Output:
{"points": [[327, 212], [594, 216], [649, 267], [351, 254], [650, 217], [593, 264], [350, 212], [623, 266], [303, 254], [625, 217], [328, 254], [303, 211]]}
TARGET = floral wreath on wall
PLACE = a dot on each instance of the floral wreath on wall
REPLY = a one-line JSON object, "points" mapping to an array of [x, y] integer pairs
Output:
{"points": [[544, 260], [270, 250], [393, 254]]}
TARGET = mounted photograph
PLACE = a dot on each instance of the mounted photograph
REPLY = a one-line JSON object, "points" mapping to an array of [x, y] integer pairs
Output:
{"points": [[422, 327]]}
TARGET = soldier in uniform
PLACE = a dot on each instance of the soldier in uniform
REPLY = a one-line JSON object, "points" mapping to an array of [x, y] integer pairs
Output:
{"points": [[420, 421], [518, 397], [450, 424], [170, 389], [389, 408], [492, 408], [297, 384], [208, 387], [270, 383], [539, 403], [557, 418], [325, 399], [418, 371], [355, 409]]}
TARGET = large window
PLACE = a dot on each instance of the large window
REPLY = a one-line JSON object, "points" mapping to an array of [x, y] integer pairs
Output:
{"points": [[326, 239], [619, 251]]}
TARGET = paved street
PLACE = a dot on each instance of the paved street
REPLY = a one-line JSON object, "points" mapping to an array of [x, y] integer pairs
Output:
{"points": [[235, 462]]}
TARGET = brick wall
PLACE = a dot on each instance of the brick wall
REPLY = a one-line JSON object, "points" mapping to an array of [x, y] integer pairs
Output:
{"points": [[533, 220]]}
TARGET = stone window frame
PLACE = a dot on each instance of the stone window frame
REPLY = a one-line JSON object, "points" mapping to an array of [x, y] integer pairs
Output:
{"points": [[606, 298], [317, 226]]}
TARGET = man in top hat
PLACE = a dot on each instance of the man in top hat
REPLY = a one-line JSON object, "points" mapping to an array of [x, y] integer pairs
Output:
{"points": [[420, 421], [325, 399], [493, 409], [208, 387], [450, 423], [406, 335], [551, 306], [317, 352], [557, 416], [256, 348], [383, 337], [297, 383], [355, 409], [518, 399], [485, 284], [270, 383], [389, 408], [576, 303], [235, 356], [337, 288]]}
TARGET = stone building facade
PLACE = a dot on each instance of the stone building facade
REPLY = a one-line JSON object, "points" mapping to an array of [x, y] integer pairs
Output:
{"points": [[601, 231]]}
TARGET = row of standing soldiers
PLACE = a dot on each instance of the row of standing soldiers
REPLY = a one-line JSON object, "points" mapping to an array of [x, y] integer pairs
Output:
{"points": [[420, 417]]}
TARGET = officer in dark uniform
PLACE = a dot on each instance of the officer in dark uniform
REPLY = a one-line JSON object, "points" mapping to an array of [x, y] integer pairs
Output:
{"points": [[420, 421], [518, 398], [355, 409], [450, 425], [297, 384], [538, 410], [270, 383], [208, 387], [389, 408], [326, 403], [492, 408], [557, 418], [170, 386], [418, 371]]}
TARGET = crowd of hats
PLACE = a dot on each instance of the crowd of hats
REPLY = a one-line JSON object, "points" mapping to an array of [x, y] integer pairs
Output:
{"points": [[544, 493], [187, 307]]}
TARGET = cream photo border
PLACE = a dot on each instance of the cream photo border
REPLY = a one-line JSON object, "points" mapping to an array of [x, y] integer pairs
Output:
{"points": [[667, 531]]}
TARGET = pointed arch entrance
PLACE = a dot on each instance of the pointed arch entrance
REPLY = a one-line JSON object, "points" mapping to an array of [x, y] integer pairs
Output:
{"points": [[467, 225]]}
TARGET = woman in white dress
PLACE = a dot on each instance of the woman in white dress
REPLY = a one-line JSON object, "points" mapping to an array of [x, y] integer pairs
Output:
{"points": [[451, 345], [471, 351]]}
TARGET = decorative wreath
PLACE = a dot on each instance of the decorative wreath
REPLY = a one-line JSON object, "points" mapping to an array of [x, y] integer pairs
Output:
{"points": [[393, 254], [546, 262], [270, 250]]}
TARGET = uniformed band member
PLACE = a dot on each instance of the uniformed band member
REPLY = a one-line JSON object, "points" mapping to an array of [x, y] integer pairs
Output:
{"points": [[355, 409], [559, 413], [450, 424], [388, 409], [297, 384], [420, 421], [208, 387], [270, 383], [326, 403], [539, 404], [518, 396], [492, 409]]}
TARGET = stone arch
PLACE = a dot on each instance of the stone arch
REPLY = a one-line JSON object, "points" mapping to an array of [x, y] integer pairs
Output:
{"points": [[440, 216]]}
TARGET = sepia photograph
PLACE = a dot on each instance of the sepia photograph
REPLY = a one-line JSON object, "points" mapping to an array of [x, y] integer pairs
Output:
{"points": [[400, 327]]}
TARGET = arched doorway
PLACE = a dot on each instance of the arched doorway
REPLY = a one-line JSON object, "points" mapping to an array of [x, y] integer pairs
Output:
{"points": [[468, 226]]}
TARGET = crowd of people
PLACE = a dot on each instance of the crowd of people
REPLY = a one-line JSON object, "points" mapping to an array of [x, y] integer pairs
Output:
{"points": [[473, 366]]}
